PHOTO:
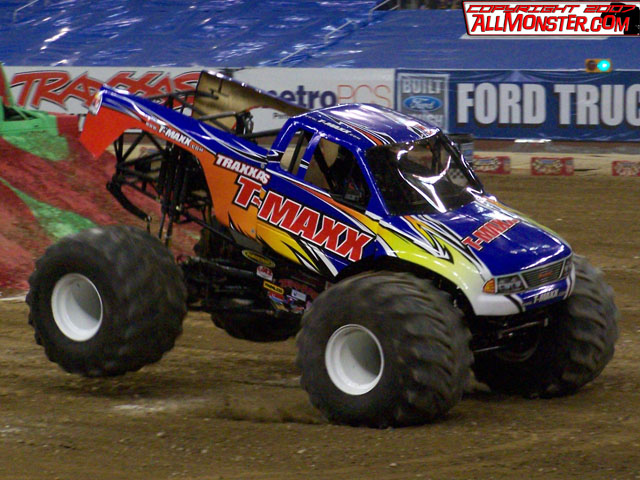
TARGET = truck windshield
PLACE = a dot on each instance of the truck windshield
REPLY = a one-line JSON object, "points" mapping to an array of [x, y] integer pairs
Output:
{"points": [[426, 176]]}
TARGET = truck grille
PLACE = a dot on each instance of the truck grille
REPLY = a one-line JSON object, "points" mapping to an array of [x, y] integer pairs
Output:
{"points": [[546, 274]]}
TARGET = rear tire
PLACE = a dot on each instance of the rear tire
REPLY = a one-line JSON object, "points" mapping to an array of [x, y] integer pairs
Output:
{"points": [[258, 326], [573, 349], [106, 301], [258, 321], [383, 349]]}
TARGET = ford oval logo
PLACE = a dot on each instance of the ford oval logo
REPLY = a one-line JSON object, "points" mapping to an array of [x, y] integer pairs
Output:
{"points": [[421, 103]]}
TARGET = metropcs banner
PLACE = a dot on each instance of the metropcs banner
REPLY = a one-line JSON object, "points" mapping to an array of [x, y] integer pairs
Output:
{"points": [[567, 105]]}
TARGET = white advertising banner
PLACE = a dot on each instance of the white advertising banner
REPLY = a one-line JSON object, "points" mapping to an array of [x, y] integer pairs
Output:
{"points": [[320, 87], [69, 90]]}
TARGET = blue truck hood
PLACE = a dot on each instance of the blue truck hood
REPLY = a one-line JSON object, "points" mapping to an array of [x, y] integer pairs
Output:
{"points": [[501, 239]]}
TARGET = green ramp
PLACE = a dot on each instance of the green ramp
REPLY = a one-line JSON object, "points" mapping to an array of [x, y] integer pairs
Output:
{"points": [[29, 130], [56, 222]]}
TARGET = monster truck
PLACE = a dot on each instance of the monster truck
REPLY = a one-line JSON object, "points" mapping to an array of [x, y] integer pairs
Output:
{"points": [[362, 230]]}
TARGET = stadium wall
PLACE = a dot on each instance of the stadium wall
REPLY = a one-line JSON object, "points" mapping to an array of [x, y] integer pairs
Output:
{"points": [[490, 104]]}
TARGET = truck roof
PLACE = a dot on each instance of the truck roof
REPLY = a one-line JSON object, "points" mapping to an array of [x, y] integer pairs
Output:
{"points": [[365, 125]]}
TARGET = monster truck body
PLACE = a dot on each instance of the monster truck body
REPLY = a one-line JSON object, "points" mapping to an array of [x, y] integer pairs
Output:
{"points": [[252, 194], [378, 204]]}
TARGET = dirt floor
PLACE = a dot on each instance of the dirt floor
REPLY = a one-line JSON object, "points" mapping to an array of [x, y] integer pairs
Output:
{"points": [[219, 408]]}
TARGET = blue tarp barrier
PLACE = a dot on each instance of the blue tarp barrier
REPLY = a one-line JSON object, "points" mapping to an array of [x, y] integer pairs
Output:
{"points": [[487, 80], [223, 33], [245, 33], [437, 40]]}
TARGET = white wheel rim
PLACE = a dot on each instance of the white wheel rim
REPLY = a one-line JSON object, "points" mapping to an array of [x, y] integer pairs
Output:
{"points": [[77, 307], [354, 359]]}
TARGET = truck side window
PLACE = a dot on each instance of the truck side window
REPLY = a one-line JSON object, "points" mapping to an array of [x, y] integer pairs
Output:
{"points": [[290, 160], [334, 169]]}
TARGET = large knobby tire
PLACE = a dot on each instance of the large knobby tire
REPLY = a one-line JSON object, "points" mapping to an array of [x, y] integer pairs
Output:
{"points": [[106, 301], [383, 349], [258, 326], [573, 349]]}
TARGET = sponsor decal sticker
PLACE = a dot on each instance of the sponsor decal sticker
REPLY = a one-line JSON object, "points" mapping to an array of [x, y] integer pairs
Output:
{"points": [[258, 258], [178, 137], [335, 126], [301, 287], [546, 274], [544, 296], [272, 287], [264, 272], [242, 168], [250, 179], [313, 226], [278, 301], [298, 295], [488, 232]]}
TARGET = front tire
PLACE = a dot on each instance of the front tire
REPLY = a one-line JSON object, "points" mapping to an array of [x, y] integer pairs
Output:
{"points": [[573, 350], [383, 349], [106, 301]]}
